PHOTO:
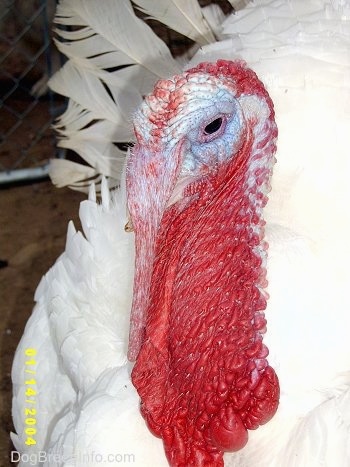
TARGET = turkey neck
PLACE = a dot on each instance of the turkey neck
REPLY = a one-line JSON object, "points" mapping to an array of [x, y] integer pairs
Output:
{"points": [[202, 372]]}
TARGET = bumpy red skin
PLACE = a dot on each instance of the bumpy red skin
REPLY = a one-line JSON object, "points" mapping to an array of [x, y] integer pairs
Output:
{"points": [[202, 372]]}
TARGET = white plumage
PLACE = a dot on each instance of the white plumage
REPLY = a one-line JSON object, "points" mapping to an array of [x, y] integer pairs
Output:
{"points": [[86, 405]]}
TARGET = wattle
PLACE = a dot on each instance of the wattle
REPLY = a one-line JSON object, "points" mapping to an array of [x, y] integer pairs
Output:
{"points": [[202, 372]]}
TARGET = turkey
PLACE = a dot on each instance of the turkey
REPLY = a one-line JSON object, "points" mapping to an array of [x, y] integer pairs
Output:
{"points": [[187, 309]]}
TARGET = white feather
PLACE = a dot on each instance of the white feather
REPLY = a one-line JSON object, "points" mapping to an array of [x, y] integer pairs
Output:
{"points": [[72, 339], [184, 16], [102, 100], [239, 4], [67, 173], [215, 17], [121, 38]]}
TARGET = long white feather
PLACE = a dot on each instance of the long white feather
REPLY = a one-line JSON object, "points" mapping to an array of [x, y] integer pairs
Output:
{"points": [[215, 17], [111, 35], [239, 4], [112, 64], [67, 173], [184, 16]]}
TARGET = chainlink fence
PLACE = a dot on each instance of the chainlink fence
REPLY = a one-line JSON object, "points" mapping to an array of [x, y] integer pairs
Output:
{"points": [[27, 107]]}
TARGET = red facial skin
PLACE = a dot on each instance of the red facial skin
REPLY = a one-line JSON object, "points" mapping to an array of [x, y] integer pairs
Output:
{"points": [[201, 371]]}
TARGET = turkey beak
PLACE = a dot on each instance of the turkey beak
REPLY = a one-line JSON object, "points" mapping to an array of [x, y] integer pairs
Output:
{"points": [[129, 227], [151, 177]]}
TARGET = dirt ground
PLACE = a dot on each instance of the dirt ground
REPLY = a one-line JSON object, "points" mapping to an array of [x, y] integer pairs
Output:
{"points": [[33, 225]]}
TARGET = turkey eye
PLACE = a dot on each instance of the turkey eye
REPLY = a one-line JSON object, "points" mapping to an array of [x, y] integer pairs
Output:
{"points": [[213, 126]]}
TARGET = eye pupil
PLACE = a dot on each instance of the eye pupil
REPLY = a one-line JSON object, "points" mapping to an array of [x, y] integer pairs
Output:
{"points": [[213, 126]]}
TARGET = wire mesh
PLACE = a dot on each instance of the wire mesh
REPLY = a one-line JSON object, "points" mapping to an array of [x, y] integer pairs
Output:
{"points": [[27, 106]]}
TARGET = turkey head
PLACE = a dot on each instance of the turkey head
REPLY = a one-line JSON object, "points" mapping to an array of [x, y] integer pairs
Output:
{"points": [[197, 182]]}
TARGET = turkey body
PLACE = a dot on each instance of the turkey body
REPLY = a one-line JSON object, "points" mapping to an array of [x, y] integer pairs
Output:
{"points": [[86, 404]]}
